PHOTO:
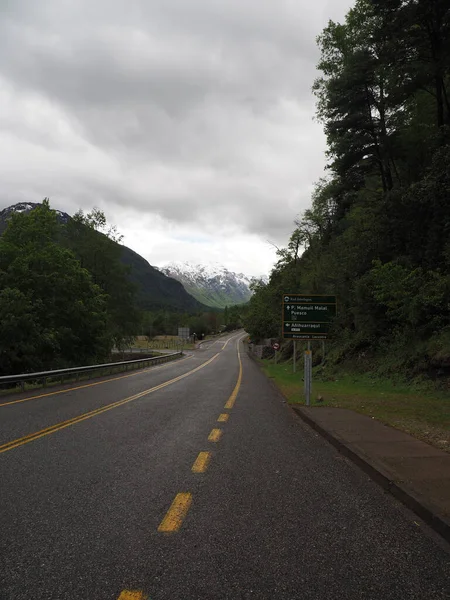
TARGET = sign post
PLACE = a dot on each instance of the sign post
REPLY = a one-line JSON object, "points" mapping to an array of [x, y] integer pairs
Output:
{"points": [[307, 317]]}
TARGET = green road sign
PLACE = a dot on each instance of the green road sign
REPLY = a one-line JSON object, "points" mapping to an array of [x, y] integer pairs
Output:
{"points": [[307, 317], [315, 313]]}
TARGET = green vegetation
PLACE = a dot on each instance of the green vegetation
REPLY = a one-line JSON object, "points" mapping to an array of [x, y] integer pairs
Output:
{"points": [[166, 322], [415, 409], [378, 232], [97, 248], [53, 313], [216, 299]]}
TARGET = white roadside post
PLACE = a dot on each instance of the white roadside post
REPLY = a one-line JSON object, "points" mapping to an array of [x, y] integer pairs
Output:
{"points": [[308, 374], [305, 370]]}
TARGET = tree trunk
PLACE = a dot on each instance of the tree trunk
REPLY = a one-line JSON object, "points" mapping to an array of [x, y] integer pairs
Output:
{"points": [[439, 101], [374, 134]]}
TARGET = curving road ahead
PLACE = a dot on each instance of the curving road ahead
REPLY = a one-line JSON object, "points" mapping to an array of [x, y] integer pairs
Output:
{"points": [[193, 480]]}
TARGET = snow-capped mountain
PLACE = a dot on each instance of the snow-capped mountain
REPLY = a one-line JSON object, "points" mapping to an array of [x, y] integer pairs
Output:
{"points": [[213, 285]]}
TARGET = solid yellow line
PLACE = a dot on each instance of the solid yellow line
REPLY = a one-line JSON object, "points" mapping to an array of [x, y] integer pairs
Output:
{"points": [[201, 462], [223, 418], [176, 513], [80, 387], [232, 399], [229, 340], [215, 435], [87, 385], [132, 595], [58, 426]]}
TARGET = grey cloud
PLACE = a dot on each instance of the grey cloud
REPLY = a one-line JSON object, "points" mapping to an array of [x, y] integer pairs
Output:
{"points": [[124, 61], [191, 107]]}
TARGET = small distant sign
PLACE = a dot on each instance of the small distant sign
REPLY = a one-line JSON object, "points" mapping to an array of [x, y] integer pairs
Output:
{"points": [[183, 333], [276, 346], [307, 317]]}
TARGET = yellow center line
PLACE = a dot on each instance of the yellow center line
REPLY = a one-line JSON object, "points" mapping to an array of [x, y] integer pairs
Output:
{"points": [[215, 435], [87, 385], [176, 513], [229, 340], [223, 418], [232, 399], [58, 426], [201, 462], [132, 595]]}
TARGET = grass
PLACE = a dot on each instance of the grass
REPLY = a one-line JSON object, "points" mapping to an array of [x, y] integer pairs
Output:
{"points": [[167, 341], [424, 414], [170, 342]]}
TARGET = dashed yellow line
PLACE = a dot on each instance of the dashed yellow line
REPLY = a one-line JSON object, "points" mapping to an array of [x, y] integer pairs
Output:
{"points": [[223, 418], [215, 435], [58, 426], [132, 595], [201, 462], [176, 513], [87, 385]]}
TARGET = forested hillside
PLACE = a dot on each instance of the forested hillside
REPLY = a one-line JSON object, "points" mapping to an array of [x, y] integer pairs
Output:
{"points": [[377, 233], [154, 291]]}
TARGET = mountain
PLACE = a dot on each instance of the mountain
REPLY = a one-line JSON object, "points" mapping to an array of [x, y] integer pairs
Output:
{"points": [[155, 290], [212, 285], [25, 207]]}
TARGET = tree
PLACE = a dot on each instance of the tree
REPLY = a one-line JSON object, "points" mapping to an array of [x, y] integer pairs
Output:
{"points": [[377, 234], [53, 315], [419, 35], [262, 319], [97, 247], [356, 100]]}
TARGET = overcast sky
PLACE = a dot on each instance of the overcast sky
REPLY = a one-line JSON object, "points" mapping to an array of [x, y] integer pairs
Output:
{"points": [[189, 122]]}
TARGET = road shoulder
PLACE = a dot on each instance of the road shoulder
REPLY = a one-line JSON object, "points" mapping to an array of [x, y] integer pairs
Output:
{"points": [[412, 471]]}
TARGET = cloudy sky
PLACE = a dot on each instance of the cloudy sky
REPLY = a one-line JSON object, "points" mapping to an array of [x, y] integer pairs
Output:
{"points": [[189, 122]]}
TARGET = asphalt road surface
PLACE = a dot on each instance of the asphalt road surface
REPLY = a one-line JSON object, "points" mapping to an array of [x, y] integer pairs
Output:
{"points": [[193, 480]]}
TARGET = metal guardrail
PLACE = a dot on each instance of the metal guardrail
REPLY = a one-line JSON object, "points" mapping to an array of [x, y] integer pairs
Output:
{"points": [[60, 373]]}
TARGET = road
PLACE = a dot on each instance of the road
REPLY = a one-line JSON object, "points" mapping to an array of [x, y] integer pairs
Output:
{"points": [[136, 486]]}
